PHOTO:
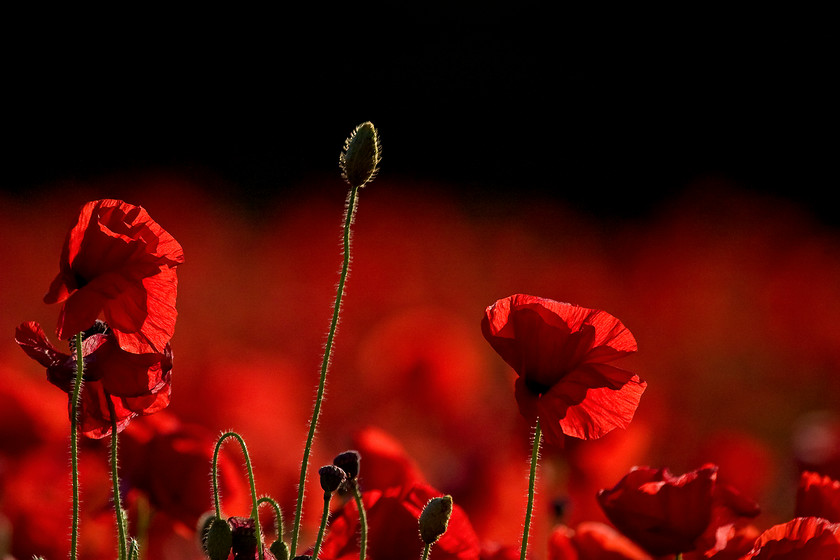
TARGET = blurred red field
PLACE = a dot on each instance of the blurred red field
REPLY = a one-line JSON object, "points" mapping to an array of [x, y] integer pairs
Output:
{"points": [[732, 297]]}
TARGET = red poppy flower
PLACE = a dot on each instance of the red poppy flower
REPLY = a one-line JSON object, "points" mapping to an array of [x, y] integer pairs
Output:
{"points": [[662, 513], [135, 384], [803, 538], [393, 533], [592, 541], [561, 353], [818, 496], [119, 262]]}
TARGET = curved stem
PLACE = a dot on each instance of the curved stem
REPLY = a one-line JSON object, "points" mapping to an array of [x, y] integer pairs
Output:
{"points": [[323, 527], [74, 444], [363, 530], [535, 453], [254, 501], [115, 480], [349, 212], [278, 515]]}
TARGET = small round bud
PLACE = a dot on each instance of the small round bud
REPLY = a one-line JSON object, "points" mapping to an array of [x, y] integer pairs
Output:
{"points": [[280, 550], [435, 518], [331, 478], [218, 539], [360, 159], [348, 462]]}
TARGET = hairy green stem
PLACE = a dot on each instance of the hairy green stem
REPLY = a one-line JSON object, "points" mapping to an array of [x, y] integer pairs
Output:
{"points": [[278, 515], [535, 453], [426, 550], [74, 444], [323, 527], [115, 480], [363, 529], [254, 502], [349, 212]]}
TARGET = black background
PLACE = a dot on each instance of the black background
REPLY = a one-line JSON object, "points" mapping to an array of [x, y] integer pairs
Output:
{"points": [[610, 117]]}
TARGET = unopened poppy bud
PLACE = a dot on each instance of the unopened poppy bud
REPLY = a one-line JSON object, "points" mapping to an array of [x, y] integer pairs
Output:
{"points": [[331, 478], [435, 518], [360, 159], [348, 462], [280, 550], [218, 539]]}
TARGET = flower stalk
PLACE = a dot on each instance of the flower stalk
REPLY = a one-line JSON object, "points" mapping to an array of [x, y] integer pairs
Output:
{"points": [[532, 478], [74, 444], [115, 481]]}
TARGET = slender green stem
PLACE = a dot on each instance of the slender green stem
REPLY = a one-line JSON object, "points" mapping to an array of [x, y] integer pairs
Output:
{"points": [[74, 444], [254, 502], [323, 527], [535, 453], [349, 212], [426, 550], [115, 480], [363, 529], [278, 515]]}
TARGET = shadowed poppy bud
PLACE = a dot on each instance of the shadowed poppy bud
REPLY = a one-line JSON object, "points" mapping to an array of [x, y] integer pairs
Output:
{"points": [[360, 159], [280, 550], [218, 539], [348, 462], [244, 543], [435, 518], [331, 478]]}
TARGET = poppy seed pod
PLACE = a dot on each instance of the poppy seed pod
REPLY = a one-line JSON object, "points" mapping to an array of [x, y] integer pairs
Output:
{"points": [[359, 161], [434, 519], [331, 478], [348, 462]]}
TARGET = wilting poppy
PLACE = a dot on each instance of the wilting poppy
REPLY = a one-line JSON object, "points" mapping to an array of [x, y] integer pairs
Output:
{"points": [[662, 513], [803, 538], [135, 384], [818, 496], [118, 262], [561, 353]]}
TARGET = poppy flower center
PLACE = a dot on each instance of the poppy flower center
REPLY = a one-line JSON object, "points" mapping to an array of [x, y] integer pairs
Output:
{"points": [[536, 387]]}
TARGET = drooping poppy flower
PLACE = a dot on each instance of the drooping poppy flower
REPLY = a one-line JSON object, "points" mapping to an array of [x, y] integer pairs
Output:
{"points": [[561, 354], [134, 384], [118, 262], [818, 496], [592, 541], [803, 538], [392, 517], [662, 513]]}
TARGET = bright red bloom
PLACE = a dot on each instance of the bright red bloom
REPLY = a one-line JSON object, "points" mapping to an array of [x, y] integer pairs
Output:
{"points": [[561, 353], [135, 384], [592, 541], [662, 513], [393, 533], [818, 496], [118, 262], [803, 538]]}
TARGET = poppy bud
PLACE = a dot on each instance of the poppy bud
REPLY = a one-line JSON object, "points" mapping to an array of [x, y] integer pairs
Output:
{"points": [[218, 539], [331, 478], [280, 550], [360, 159], [244, 543], [435, 518], [348, 462]]}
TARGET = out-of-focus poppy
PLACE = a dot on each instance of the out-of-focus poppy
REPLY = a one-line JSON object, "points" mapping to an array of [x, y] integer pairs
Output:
{"points": [[803, 538], [561, 354], [592, 541], [135, 384], [117, 261], [662, 513], [392, 517], [818, 496]]}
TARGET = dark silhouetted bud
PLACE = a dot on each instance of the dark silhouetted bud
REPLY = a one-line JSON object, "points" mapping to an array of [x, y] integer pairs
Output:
{"points": [[218, 539], [435, 518], [244, 545], [331, 478], [280, 550], [348, 462], [360, 159]]}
